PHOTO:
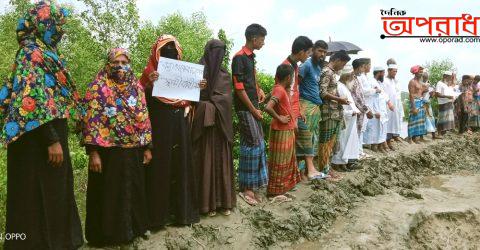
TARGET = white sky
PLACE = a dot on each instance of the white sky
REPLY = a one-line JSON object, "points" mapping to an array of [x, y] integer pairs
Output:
{"points": [[353, 21]]}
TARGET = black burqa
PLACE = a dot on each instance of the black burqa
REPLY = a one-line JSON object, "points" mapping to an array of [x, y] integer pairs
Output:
{"points": [[40, 199], [171, 180], [212, 133]]}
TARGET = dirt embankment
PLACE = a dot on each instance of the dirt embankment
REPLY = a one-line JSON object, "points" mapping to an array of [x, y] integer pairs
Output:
{"points": [[372, 207]]}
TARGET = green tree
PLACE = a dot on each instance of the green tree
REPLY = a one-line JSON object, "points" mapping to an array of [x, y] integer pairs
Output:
{"points": [[228, 44], [436, 69], [84, 55], [113, 23], [435, 74], [192, 33]]}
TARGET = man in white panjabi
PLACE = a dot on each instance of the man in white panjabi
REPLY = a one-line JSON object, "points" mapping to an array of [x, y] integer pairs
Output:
{"points": [[348, 147], [370, 93], [395, 117], [356, 89], [376, 129]]}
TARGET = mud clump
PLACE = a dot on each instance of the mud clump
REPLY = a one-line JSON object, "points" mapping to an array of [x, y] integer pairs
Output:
{"points": [[309, 219], [320, 203], [410, 194], [448, 230]]}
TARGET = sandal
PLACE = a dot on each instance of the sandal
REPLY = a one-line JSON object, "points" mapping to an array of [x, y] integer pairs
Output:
{"points": [[290, 195], [280, 199], [248, 199], [318, 176], [226, 212]]}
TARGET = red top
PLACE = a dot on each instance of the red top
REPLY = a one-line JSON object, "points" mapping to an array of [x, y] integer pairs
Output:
{"points": [[282, 107], [294, 92], [237, 84]]}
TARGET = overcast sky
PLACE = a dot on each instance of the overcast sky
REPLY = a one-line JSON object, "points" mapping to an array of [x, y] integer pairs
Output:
{"points": [[354, 21]]}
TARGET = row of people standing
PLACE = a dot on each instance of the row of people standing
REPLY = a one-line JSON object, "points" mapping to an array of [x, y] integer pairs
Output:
{"points": [[155, 161], [143, 172], [181, 165], [457, 105]]}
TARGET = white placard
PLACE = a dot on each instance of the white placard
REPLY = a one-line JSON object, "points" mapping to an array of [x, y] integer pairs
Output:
{"points": [[178, 80]]}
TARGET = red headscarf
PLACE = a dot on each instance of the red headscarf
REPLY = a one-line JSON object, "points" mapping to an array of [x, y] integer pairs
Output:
{"points": [[153, 64]]}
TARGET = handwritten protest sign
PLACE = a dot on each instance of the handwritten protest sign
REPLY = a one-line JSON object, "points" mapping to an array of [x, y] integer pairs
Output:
{"points": [[178, 80]]}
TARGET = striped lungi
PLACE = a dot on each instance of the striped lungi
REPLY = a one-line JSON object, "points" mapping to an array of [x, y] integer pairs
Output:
{"points": [[416, 122], [283, 173], [446, 117], [328, 133], [307, 137], [252, 169], [474, 119]]}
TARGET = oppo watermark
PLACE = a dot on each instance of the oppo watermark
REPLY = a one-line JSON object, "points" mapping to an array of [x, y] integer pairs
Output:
{"points": [[12, 236]]}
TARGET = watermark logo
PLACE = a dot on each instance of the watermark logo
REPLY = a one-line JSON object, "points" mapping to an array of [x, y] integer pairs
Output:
{"points": [[12, 236], [458, 29]]}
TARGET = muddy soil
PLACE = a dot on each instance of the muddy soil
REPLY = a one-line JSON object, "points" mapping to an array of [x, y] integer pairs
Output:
{"points": [[420, 196]]}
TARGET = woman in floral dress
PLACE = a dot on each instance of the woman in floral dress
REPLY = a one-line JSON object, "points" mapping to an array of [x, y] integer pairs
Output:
{"points": [[34, 106], [117, 136]]}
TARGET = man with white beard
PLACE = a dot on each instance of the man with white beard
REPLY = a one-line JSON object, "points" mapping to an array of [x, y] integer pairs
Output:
{"points": [[395, 117], [348, 150]]}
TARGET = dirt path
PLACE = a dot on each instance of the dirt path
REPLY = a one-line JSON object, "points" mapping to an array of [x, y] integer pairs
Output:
{"points": [[407, 199], [445, 214]]}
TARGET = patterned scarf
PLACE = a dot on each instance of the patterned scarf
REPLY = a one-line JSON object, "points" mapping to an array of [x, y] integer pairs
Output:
{"points": [[40, 87], [116, 111]]}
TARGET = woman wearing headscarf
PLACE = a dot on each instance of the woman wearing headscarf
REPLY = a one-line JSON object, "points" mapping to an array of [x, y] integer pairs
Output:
{"points": [[212, 134], [171, 180], [117, 135], [34, 106]]}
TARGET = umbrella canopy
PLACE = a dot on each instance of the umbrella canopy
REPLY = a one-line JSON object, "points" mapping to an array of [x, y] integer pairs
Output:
{"points": [[350, 48]]}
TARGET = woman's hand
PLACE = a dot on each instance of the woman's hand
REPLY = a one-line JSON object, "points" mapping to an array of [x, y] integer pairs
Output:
{"points": [[152, 77], [95, 163], [202, 84], [147, 156], [55, 154]]}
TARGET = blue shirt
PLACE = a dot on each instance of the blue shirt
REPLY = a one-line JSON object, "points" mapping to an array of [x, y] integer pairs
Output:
{"points": [[309, 86]]}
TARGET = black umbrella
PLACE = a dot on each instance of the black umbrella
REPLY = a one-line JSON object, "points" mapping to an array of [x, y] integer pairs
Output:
{"points": [[350, 48]]}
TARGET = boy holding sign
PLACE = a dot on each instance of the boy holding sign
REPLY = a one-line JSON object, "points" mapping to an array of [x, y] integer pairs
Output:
{"points": [[252, 171]]}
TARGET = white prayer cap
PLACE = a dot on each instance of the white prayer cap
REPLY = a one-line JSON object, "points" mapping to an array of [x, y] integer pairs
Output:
{"points": [[447, 72], [392, 66], [346, 70], [378, 68]]}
